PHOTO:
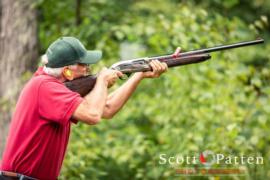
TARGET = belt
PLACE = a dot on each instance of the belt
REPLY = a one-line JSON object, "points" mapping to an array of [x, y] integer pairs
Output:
{"points": [[13, 175]]}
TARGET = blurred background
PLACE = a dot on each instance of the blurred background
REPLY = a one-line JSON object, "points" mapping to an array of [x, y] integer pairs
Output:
{"points": [[220, 105]]}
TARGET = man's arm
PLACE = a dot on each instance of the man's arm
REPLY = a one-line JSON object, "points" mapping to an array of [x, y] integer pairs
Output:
{"points": [[119, 97], [91, 109]]}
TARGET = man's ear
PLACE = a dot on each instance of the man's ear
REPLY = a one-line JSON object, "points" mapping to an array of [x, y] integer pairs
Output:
{"points": [[68, 74]]}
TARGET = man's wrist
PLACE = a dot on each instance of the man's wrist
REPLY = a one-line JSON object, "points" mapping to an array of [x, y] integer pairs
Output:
{"points": [[139, 76], [102, 80]]}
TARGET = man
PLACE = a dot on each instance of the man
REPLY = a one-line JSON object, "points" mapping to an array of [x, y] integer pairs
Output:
{"points": [[40, 127]]}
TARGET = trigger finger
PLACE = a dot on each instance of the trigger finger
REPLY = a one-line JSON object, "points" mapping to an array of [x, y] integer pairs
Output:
{"points": [[119, 74]]}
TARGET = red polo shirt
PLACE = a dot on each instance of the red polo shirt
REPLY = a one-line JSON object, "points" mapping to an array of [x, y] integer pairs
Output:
{"points": [[40, 128]]}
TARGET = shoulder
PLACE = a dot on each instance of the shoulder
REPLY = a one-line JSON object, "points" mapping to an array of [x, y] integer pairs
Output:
{"points": [[52, 86], [44, 84], [33, 85]]}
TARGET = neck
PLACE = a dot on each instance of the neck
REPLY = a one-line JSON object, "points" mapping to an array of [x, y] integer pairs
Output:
{"points": [[62, 79]]}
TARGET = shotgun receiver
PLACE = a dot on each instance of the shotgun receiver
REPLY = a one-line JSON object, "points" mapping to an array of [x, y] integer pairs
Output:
{"points": [[85, 84]]}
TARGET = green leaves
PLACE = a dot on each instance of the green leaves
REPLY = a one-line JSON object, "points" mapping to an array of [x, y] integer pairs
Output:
{"points": [[221, 105]]}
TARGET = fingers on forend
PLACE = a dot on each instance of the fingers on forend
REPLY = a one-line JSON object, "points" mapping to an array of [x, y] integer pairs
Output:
{"points": [[177, 52]]}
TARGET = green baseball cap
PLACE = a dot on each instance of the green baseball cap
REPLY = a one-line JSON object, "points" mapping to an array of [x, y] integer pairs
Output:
{"points": [[68, 51]]}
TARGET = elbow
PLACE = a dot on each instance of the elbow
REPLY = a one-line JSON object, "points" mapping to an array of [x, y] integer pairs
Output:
{"points": [[108, 113], [93, 119]]}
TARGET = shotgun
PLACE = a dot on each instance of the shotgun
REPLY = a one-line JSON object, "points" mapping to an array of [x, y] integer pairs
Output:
{"points": [[85, 84]]}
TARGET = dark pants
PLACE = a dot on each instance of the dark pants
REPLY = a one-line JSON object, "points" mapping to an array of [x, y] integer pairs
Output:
{"points": [[2, 177]]}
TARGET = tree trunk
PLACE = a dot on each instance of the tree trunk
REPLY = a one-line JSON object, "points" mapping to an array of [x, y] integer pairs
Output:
{"points": [[18, 55], [78, 12]]}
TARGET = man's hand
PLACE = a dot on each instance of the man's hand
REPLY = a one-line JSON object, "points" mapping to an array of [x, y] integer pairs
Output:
{"points": [[109, 76], [158, 67]]}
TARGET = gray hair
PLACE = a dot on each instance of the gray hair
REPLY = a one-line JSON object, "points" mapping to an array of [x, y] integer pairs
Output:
{"points": [[55, 72]]}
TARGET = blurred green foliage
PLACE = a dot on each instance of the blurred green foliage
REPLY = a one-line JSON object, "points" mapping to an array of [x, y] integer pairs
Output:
{"points": [[221, 105]]}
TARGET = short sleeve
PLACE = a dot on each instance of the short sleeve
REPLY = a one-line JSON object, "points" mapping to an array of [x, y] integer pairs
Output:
{"points": [[57, 103]]}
